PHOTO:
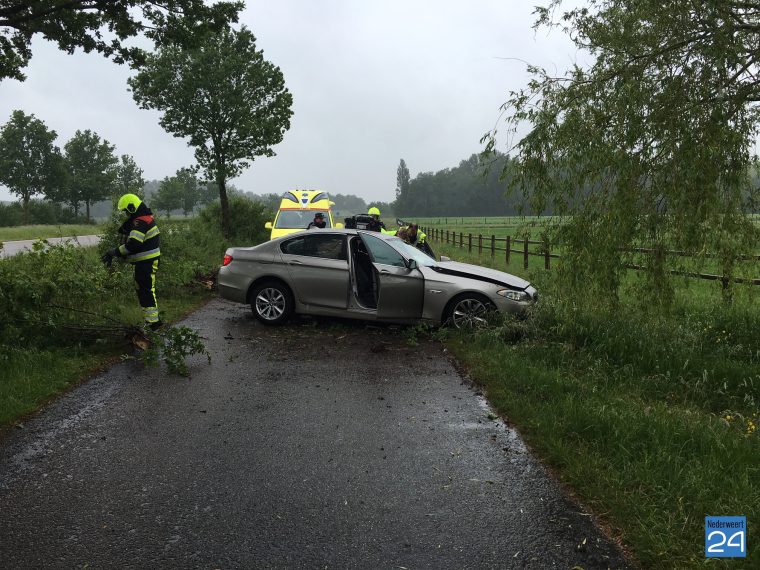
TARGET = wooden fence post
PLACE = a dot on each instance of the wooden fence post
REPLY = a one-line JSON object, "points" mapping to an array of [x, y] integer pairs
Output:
{"points": [[469, 243], [509, 246], [546, 256], [525, 254], [461, 239], [480, 244], [493, 245]]}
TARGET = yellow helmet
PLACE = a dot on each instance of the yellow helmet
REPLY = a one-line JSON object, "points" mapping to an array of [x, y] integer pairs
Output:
{"points": [[374, 212], [129, 203]]}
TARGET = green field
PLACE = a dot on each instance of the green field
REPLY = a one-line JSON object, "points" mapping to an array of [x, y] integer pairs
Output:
{"points": [[43, 232], [475, 234]]}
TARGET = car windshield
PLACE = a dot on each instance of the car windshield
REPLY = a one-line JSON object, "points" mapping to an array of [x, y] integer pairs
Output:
{"points": [[297, 219], [411, 252]]}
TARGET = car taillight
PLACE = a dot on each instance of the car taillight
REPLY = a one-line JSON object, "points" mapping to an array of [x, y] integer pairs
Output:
{"points": [[227, 260]]}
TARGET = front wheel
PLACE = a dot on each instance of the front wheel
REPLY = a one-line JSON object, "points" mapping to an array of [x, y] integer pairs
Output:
{"points": [[468, 311], [272, 302]]}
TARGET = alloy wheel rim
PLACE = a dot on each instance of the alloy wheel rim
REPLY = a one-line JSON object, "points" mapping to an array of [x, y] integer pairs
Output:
{"points": [[270, 303], [469, 313]]}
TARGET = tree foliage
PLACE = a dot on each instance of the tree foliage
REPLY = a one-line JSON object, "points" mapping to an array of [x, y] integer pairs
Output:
{"points": [[129, 179], [30, 163], [81, 24], [178, 192], [169, 196], [473, 188], [223, 96], [649, 145], [92, 170], [402, 178]]}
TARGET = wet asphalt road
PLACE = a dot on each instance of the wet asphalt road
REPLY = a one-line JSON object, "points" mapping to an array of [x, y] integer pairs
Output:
{"points": [[11, 248], [285, 453]]}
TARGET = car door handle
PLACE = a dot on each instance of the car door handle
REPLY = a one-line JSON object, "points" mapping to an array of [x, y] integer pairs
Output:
{"points": [[384, 271], [294, 262]]}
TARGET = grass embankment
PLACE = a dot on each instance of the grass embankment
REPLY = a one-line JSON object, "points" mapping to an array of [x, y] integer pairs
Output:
{"points": [[47, 296], [45, 231], [650, 416]]}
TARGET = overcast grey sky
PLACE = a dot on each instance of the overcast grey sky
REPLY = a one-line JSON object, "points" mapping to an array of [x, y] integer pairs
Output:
{"points": [[373, 81]]}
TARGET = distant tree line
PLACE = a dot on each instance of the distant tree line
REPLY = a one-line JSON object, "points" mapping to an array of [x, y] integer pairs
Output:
{"points": [[476, 187]]}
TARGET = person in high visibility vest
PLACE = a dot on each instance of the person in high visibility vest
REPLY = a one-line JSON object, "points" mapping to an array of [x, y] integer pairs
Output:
{"points": [[141, 249], [413, 235], [376, 225]]}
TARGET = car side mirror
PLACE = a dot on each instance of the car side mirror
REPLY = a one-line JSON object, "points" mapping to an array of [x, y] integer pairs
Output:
{"points": [[412, 264], [444, 258], [268, 226]]}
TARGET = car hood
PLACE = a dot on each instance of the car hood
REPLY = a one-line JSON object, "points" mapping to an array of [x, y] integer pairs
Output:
{"points": [[481, 274]]}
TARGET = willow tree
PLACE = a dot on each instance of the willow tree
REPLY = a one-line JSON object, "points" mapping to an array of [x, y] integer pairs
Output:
{"points": [[224, 97], [649, 145]]}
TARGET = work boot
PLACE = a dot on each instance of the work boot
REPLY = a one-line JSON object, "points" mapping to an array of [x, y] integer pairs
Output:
{"points": [[156, 326]]}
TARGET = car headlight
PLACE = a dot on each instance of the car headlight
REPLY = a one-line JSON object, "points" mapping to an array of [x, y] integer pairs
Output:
{"points": [[519, 296]]}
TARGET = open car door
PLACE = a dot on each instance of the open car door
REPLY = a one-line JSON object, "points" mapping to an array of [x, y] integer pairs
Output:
{"points": [[401, 289]]}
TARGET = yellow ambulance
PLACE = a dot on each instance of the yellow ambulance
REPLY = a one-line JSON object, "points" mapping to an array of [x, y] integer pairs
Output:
{"points": [[297, 209]]}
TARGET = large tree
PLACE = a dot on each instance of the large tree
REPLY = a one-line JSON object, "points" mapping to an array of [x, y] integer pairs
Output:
{"points": [[191, 192], [30, 163], [92, 170], [651, 143], [129, 177], [402, 178], [169, 196], [224, 97], [81, 24]]}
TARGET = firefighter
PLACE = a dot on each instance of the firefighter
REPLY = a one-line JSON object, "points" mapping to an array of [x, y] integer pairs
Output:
{"points": [[142, 250], [413, 235], [376, 225]]}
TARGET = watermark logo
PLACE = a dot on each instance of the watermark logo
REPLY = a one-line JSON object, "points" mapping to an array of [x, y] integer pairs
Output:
{"points": [[726, 537]]}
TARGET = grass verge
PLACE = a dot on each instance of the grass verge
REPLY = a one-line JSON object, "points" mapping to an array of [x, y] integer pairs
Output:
{"points": [[651, 417]]}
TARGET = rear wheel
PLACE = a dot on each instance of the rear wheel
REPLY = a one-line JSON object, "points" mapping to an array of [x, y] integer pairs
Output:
{"points": [[468, 311], [272, 302]]}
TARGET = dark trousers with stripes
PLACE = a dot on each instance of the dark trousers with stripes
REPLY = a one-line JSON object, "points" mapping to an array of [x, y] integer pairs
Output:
{"points": [[145, 283]]}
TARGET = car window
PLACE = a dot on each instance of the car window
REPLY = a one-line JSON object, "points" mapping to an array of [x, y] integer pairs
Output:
{"points": [[411, 252], [381, 252], [297, 219], [326, 246]]}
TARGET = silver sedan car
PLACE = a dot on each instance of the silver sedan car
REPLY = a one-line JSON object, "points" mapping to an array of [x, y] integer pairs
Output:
{"points": [[365, 275]]}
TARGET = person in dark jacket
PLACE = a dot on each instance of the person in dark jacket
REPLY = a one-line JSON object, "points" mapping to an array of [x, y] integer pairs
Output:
{"points": [[141, 249], [317, 222]]}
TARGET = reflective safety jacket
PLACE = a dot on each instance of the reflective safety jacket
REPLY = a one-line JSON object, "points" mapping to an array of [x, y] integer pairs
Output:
{"points": [[143, 240]]}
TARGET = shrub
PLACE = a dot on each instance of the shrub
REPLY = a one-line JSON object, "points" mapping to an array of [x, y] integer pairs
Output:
{"points": [[247, 219], [40, 212]]}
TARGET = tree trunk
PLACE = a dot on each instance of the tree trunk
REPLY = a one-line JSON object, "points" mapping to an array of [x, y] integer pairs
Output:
{"points": [[225, 206], [25, 208], [87, 205]]}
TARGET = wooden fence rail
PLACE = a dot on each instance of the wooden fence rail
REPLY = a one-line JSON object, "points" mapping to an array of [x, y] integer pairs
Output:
{"points": [[509, 246]]}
